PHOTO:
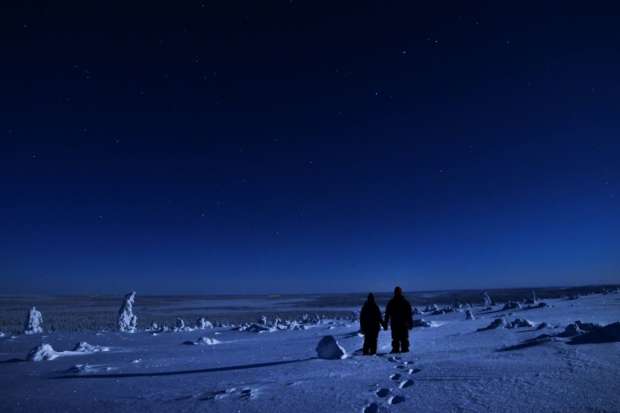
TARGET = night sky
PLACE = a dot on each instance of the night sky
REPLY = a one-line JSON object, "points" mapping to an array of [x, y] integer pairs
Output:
{"points": [[307, 146]]}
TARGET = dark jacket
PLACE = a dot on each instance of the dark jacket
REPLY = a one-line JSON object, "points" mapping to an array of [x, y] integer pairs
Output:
{"points": [[398, 313], [370, 317]]}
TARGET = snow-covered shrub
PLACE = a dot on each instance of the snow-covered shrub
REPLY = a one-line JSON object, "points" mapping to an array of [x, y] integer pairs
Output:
{"points": [[469, 315], [519, 323], [203, 323]]}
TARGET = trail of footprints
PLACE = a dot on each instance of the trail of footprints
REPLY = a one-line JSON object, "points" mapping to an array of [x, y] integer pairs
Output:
{"points": [[402, 378]]}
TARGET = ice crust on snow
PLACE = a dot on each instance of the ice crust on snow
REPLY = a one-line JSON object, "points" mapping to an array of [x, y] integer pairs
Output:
{"points": [[329, 349], [34, 322], [127, 320]]}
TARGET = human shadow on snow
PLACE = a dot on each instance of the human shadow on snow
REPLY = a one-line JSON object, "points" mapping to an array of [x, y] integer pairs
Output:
{"points": [[182, 372]]}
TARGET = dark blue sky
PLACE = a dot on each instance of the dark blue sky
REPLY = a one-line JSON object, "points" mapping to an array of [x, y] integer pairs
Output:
{"points": [[305, 146]]}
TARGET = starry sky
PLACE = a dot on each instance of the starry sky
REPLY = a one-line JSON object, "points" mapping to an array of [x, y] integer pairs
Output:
{"points": [[307, 146]]}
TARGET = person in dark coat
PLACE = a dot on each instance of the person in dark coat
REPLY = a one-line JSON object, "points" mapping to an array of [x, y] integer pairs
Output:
{"points": [[399, 316], [370, 325]]}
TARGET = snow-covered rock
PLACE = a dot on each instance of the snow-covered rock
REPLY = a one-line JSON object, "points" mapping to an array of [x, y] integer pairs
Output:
{"points": [[497, 323], [469, 315], [34, 322], [127, 320], [329, 349], [42, 352]]}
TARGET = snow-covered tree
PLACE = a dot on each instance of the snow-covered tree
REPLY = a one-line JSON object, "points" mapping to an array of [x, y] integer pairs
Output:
{"points": [[34, 322], [127, 320]]}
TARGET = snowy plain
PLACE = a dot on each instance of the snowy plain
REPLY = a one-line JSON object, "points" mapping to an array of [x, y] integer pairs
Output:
{"points": [[452, 367]]}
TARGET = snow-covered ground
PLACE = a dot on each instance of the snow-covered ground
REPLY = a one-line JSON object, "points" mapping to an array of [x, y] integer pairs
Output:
{"points": [[452, 367]]}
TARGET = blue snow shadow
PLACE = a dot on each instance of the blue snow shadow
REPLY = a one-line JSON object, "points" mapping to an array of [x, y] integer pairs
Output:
{"points": [[182, 372]]}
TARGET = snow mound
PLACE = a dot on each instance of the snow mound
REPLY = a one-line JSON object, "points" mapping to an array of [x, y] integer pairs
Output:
{"points": [[203, 341], [84, 347], [34, 322], [497, 323], [469, 315], [2, 334], [520, 323], [420, 322], [127, 320], [43, 352], [542, 325], [329, 349], [599, 334], [577, 328]]}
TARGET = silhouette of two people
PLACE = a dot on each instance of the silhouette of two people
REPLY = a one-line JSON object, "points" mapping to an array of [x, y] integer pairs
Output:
{"points": [[398, 316]]}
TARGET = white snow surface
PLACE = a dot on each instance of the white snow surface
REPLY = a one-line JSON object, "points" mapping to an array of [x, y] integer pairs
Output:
{"points": [[451, 368]]}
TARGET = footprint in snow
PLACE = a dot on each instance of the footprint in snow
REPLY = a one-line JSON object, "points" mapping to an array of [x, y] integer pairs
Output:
{"points": [[414, 371], [405, 383], [371, 408], [213, 395], [383, 392], [248, 394], [395, 376], [396, 399]]}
